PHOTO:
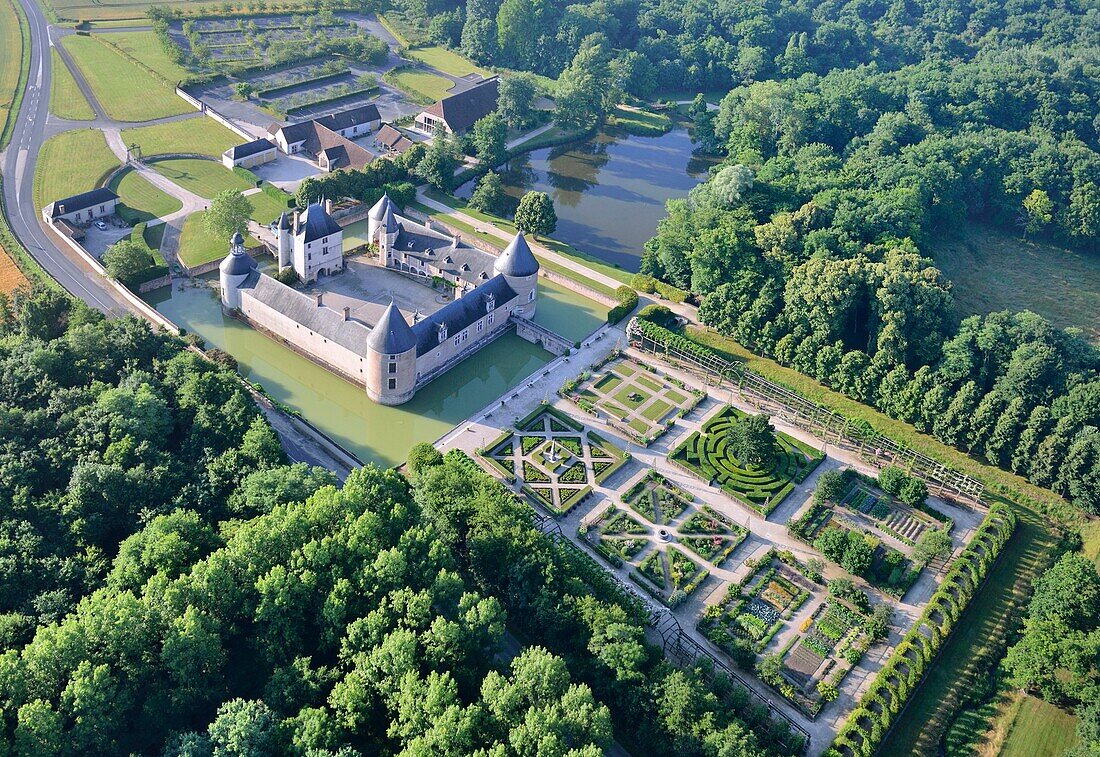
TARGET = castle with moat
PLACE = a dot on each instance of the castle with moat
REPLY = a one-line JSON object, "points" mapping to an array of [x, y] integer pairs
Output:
{"points": [[387, 355]]}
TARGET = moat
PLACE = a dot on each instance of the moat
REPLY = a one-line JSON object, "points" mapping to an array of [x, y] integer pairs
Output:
{"points": [[376, 433], [609, 191]]}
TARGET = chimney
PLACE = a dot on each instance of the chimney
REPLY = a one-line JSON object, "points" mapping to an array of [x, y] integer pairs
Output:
{"points": [[347, 313], [295, 222], [319, 296], [458, 239], [328, 206], [61, 209]]}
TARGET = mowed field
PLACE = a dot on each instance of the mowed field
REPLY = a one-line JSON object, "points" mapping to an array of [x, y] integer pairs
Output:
{"points": [[203, 177], [139, 195], [126, 91], [66, 99], [145, 47], [1039, 730], [420, 85], [11, 61], [447, 61], [71, 163], [993, 270], [200, 136]]}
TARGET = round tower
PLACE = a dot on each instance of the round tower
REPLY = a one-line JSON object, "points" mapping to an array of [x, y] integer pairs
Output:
{"points": [[285, 239], [376, 215], [234, 269], [391, 359], [388, 229], [518, 266]]}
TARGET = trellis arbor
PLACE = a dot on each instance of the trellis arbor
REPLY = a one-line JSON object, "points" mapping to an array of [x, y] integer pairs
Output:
{"points": [[795, 409]]}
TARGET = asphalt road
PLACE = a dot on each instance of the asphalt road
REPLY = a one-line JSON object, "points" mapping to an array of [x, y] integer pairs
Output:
{"points": [[18, 170]]}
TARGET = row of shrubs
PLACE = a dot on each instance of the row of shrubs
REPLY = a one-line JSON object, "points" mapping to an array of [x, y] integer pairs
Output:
{"points": [[869, 723], [645, 283], [628, 300]]}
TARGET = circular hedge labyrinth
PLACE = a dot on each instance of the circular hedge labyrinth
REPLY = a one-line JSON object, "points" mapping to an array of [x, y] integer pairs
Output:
{"points": [[710, 455]]}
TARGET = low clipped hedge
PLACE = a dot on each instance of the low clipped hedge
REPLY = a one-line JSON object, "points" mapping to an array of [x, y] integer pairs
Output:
{"points": [[865, 728], [628, 300], [643, 282]]}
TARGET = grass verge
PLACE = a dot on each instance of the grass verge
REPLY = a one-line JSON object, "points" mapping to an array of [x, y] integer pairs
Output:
{"points": [[642, 123], [70, 163], [66, 99], [126, 91], [198, 136], [15, 63], [18, 253]]}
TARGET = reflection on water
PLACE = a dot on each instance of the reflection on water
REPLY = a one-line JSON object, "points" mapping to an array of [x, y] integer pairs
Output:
{"points": [[342, 410], [624, 181]]}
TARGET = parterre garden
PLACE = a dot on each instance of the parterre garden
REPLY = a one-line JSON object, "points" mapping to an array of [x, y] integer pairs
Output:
{"points": [[555, 459], [709, 455], [638, 400], [888, 514]]}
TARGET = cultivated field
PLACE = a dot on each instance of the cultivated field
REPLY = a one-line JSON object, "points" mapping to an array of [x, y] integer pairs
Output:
{"points": [[199, 136], [126, 91], [203, 177], [66, 99], [145, 47], [71, 163], [11, 278], [994, 270], [11, 61], [146, 201]]}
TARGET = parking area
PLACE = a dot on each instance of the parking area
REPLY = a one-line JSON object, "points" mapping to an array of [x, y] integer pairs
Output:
{"points": [[96, 241]]}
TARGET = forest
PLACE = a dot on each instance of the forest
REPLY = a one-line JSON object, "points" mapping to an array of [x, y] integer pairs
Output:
{"points": [[173, 586]]}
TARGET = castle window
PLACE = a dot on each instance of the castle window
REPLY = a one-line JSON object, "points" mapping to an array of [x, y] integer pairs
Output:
{"points": [[490, 318], [531, 296], [480, 327], [392, 384], [490, 302], [442, 332], [458, 339], [393, 367]]}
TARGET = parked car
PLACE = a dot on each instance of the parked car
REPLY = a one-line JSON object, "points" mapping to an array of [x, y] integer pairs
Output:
{"points": [[101, 226]]}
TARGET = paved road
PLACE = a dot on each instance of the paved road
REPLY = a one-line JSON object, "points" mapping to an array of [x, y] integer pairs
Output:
{"points": [[18, 169]]}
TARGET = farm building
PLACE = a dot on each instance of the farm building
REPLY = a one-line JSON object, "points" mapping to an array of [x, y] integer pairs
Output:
{"points": [[329, 138], [82, 208], [457, 113], [250, 154]]}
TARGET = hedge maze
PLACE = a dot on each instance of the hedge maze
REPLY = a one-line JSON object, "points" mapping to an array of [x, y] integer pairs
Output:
{"points": [[869, 722], [710, 456]]}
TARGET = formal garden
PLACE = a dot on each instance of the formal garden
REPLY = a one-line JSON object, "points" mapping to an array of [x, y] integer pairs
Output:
{"points": [[637, 399], [745, 457], [555, 459], [889, 514]]}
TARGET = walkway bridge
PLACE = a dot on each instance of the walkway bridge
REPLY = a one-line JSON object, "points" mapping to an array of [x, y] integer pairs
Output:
{"points": [[551, 341]]}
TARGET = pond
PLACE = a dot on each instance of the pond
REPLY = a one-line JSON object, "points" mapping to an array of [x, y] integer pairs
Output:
{"points": [[375, 432], [609, 191]]}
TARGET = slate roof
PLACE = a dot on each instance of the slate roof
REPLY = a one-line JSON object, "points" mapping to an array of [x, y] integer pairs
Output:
{"points": [[303, 309], [249, 149], [320, 135], [315, 223], [461, 110], [81, 201], [378, 210], [517, 259], [460, 314], [391, 139], [346, 119], [429, 247], [392, 334], [343, 151], [236, 264]]}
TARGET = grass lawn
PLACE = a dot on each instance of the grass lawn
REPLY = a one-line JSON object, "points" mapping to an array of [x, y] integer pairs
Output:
{"points": [[153, 236], [14, 61], [641, 122], [1059, 284], [201, 136], [66, 99], [197, 245], [203, 177], [139, 195], [1039, 730], [420, 86], [266, 208], [126, 91], [145, 47], [447, 61], [71, 163]]}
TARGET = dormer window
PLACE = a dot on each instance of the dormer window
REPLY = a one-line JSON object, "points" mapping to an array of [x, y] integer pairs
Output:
{"points": [[442, 333], [490, 302], [430, 252], [465, 267], [448, 259]]}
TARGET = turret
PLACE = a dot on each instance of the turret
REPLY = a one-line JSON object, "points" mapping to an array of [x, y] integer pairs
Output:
{"points": [[285, 239], [391, 359], [388, 229], [521, 270], [234, 269], [376, 215]]}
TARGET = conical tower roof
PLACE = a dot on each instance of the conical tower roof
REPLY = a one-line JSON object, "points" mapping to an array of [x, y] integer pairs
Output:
{"points": [[238, 261], [392, 335], [378, 211], [389, 222], [284, 221], [517, 259]]}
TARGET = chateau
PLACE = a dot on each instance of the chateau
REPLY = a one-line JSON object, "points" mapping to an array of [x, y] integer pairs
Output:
{"points": [[389, 358]]}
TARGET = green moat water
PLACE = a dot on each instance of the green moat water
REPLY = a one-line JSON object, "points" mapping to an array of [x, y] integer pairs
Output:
{"points": [[340, 409]]}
